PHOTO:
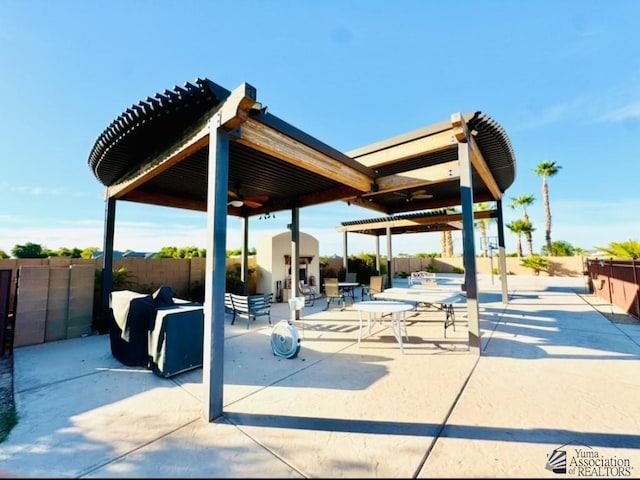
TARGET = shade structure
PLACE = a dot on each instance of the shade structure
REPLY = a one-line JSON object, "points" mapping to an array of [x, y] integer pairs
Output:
{"points": [[203, 147], [156, 152]]}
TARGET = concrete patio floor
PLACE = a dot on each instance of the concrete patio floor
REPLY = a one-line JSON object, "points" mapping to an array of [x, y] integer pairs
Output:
{"points": [[554, 373]]}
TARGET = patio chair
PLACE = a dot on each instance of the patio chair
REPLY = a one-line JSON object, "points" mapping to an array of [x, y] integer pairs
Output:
{"points": [[376, 285], [333, 292], [423, 278], [350, 291], [350, 277], [310, 294]]}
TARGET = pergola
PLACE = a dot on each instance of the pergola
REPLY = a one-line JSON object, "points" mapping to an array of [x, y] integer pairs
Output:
{"points": [[201, 146], [420, 222]]}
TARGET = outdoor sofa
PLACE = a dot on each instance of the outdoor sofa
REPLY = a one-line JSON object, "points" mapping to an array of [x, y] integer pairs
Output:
{"points": [[156, 331]]}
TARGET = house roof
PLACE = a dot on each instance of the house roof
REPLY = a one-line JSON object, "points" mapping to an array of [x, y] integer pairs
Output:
{"points": [[157, 151]]}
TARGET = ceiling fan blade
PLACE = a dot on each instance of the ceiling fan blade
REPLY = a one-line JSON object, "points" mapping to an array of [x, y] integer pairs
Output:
{"points": [[421, 195], [251, 204], [424, 196], [258, 199], [236, 200]]}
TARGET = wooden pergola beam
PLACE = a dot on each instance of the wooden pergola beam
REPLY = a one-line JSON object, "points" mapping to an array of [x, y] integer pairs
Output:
{"points": [[477, 159], [479, 163], [261, 137], [439, 141], [419, 177], [368, 203]]}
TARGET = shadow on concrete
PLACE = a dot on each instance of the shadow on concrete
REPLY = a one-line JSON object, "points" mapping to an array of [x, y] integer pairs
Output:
{"points": [[467, 432]]}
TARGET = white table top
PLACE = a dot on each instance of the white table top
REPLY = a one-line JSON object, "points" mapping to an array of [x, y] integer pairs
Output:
{"points": [[420, 295], [385, 306], [348, 284]]}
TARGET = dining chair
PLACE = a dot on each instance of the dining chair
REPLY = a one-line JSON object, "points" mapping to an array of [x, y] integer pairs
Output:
{"points": [[351, 277], [333, 292], [309, 294], [376, 285]]}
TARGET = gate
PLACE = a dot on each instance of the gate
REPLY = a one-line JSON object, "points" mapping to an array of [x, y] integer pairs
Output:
{"points": [[6, 327]]}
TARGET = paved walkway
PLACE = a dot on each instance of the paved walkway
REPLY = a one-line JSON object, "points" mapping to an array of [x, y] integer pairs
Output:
{"points": [[554, 374]]}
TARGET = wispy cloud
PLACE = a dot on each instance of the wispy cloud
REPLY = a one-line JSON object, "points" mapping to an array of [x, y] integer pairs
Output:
{"points": [[619, 103], [550, 114], [595, 209], [626, 112], [616, 104], [11, 220], [31, 190]]}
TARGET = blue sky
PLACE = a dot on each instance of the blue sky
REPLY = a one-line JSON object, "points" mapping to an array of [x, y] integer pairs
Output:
{"points": [[562, 79]]}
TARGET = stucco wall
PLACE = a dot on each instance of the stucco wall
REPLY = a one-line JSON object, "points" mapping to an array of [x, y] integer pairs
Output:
{"points": [[560, 266], [271, 254]]}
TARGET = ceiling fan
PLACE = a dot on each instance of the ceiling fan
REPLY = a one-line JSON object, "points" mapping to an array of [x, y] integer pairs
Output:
{"points": [[415, 195], [236, 200]]}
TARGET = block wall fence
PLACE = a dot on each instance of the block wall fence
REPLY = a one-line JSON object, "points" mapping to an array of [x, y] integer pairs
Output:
{"points": [[56, 299]]}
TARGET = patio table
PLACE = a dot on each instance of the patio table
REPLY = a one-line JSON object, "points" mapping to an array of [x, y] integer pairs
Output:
{"points": [[442, 299], [396, 309]]}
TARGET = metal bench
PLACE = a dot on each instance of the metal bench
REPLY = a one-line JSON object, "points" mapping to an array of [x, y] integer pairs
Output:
{"points": [[251, 306]]}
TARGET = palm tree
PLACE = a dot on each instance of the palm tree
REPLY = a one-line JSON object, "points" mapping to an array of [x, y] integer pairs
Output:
{"points": [[523, 201], [527, 229], [547, 170], [483, 225], [522, 227], [516, 227], [446, 237], [446, 242]]}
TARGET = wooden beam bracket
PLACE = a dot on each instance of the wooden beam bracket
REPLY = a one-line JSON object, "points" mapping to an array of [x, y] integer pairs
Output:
{"points": [[236, 107]]}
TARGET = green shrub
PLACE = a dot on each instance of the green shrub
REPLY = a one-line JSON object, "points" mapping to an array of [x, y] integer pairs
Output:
{"points": [[233, 278], [627, 249], [536, 263]]}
